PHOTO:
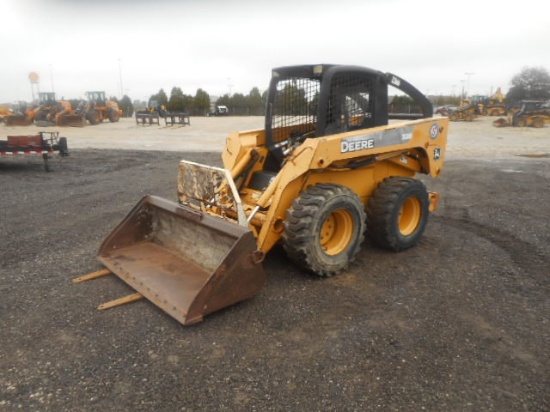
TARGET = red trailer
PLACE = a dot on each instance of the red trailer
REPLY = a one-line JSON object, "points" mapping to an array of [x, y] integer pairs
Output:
{"points": [[45, 144]]}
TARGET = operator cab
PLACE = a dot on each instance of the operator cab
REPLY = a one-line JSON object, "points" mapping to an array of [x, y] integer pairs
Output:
{"points": [[321, 100]]}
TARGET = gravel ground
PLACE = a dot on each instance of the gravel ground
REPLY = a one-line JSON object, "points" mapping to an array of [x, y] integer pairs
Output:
{"points": [[458, 323]]}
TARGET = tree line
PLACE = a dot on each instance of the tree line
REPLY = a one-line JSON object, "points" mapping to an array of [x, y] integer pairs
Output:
{"points": [[532, 83], [252, 104]]}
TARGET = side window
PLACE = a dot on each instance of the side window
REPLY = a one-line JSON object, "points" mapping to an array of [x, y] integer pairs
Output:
{"points": [[350, 103]]}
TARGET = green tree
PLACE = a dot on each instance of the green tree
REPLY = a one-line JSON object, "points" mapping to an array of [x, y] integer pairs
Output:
{"points": [[264, 99], [224, 100], [160, 98], [291, 100], [176, 101], [255, 102], [126, 106], [188, 103], [239, 105], [530, 83], [201, 103]]}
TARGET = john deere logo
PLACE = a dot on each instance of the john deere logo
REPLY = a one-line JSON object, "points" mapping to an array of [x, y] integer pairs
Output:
{"points": [[356, 144], [434, 131]]}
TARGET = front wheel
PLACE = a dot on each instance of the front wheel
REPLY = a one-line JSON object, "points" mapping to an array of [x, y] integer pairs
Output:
{"points": [[521, 122], [93, 116], [324, 228], [397, 213], [113, 116]]}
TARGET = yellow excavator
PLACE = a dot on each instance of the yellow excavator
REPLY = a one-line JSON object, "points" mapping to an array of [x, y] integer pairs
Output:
{"points": [[330, 166]]}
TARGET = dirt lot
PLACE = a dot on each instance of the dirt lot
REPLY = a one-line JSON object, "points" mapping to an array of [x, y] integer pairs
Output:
{"points": [[459, 323]]}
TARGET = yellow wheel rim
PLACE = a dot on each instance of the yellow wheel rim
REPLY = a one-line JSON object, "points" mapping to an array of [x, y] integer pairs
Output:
{"points": [[409, 216], [336, 232]]}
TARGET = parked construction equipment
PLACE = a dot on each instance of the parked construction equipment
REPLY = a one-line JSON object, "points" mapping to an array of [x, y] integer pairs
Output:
{"points": [[100, 108], [326, 167], [534, 113], [45, 144], [147, 118], [494, 105], [96, 109], [176, 118], [51, 110], [23, 116], [466, 111], [76, 117], [5, 112], [46, 112]]}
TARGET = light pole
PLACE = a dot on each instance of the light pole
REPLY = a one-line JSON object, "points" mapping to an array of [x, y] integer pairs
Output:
{"points": [[468, 87], [120, 76], [51, 78], [230, 85]]}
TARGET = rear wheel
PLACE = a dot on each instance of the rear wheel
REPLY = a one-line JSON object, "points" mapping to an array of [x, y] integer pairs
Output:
{"points": [[538, 122], [397, 213], [324, 229]]}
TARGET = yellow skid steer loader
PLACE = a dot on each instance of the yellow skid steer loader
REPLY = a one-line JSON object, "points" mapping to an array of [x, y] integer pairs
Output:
{"points": [[328, 168]]}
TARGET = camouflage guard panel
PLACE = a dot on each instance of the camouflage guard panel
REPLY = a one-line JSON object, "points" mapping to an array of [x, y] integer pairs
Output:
{"points": [[209, 189]]}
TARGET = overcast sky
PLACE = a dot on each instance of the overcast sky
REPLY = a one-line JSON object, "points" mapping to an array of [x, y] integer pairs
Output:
{"points": [[139, 46]]}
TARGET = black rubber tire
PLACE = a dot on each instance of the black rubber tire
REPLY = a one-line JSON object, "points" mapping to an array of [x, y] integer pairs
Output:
{"points": [[41, 115], [113, 116], [538, 122], [397, 213], [324, 229], [93, 117], [63, 146], [521, 122]]}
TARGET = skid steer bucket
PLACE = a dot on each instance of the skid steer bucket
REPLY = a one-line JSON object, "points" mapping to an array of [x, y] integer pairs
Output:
{"points": [[183, 260]]}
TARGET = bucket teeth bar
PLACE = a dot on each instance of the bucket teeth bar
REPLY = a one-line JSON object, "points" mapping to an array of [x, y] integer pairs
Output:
{"points": [[134, 297], [93, 275], [113, 303]]}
